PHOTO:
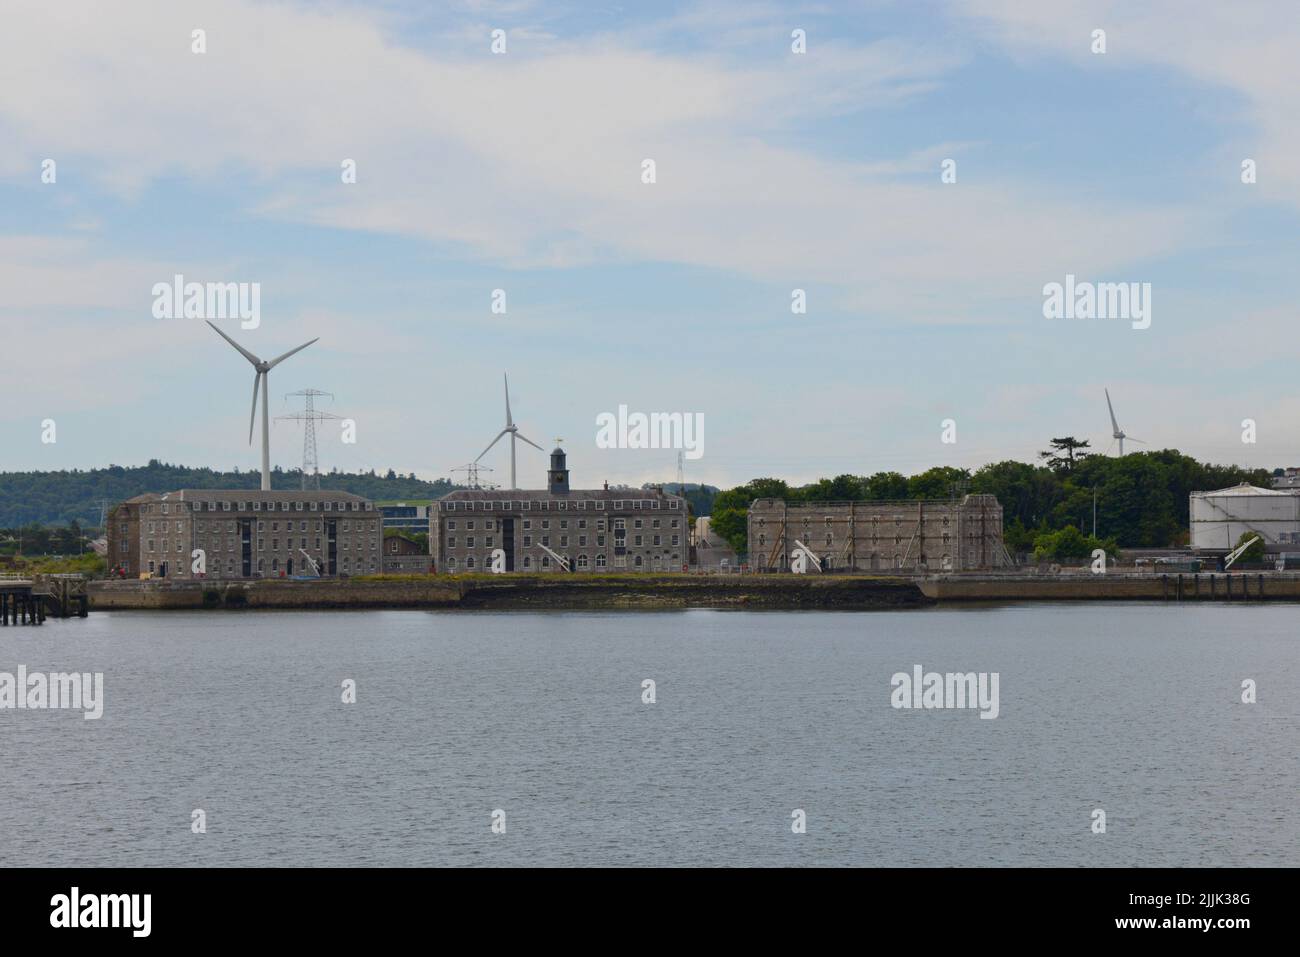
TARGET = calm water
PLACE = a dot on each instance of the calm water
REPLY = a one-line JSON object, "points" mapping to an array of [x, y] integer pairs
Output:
{"points": [[1131, 708]]}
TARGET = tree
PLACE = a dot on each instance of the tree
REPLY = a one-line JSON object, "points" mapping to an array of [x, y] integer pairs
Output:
{"points": [[1064, 453], [1256, 551]]}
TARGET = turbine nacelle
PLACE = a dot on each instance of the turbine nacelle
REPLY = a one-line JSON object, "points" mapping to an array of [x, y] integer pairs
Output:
{"points": [[511, 430], [261, 369], [1116, 433]]}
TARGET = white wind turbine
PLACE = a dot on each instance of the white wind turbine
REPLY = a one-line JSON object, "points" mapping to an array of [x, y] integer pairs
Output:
{"points": [[513, 430], [260, 380], [1116, 431]]}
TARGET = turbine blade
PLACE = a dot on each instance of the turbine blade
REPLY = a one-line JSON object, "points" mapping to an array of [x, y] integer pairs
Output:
{"points": [[509, 421], [492, 443], [1113, 424], [531, 442], [1130, 438], [244, 352], [252, 419], [275, 362], [1109, 447]]}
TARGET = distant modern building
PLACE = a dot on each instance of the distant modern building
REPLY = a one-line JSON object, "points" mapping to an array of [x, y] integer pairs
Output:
{"points": [[244, 533], [609, 529], [405, 556], [1220, 518], [408, 516], [911, 536]]}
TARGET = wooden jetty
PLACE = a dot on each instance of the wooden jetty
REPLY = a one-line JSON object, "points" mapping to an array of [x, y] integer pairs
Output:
{"points": [[27, 601]]}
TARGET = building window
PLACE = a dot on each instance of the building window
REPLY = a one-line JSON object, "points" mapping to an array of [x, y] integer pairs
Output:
{"points": [[600, 561], [582, 561]]}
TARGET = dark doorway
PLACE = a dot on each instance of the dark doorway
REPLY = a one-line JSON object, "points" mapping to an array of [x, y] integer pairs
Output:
{"points": [[508, 542]]}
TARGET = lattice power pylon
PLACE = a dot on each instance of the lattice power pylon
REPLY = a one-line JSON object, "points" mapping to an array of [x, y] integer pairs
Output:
{"points": [[309, 416], [471, 475]]}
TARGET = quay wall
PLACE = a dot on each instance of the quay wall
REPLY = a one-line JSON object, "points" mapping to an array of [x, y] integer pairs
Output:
{"points": [[518, 591]]}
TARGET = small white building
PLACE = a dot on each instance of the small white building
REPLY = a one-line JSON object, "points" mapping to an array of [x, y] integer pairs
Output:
{"points": [[1220, 518]]}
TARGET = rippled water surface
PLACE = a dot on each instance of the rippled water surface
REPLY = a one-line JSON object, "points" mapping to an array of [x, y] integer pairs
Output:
{"points": [[1135, 709]]}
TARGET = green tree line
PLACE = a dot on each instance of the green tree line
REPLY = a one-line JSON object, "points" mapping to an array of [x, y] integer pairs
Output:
{"points": [[60, 498], [1142, 498]]}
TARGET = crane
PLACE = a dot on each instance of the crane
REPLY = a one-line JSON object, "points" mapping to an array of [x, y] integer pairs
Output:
{"points": [[1237, 553]]}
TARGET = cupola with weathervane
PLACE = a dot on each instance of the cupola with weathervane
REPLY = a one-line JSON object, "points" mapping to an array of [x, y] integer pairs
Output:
{"points": [[558, 478]]}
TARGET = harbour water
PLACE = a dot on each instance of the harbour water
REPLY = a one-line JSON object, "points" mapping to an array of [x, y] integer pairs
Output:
{"points": [[1134, 709]]}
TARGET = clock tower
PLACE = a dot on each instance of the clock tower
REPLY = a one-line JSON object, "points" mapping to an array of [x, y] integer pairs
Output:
{"points": [[558, 478]]}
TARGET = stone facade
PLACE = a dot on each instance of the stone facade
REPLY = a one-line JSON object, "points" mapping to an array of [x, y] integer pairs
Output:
{"points": [[123, 538], [246, 533], [597, 530], [402, 556], [915, 536]]}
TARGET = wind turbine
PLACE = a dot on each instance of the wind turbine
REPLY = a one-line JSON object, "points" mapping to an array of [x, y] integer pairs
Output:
{"points": [[260, 380], [513, 430], [1116, 431]]}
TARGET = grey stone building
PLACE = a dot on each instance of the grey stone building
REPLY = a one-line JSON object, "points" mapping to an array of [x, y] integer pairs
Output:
{"points": [[247, 533], [912, 536], [404, 556], [592, 530]]}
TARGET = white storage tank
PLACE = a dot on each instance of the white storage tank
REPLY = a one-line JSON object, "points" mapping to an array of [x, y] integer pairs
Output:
{"points": [[1220, 518]]}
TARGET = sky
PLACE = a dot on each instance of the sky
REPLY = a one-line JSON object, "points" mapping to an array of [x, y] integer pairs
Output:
{"points": [[774, 171]]}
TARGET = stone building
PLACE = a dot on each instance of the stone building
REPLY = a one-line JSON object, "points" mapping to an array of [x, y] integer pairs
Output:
{"points": [[123, 534], [404, 556], [245, 533], [913, 536], [609, 529]]}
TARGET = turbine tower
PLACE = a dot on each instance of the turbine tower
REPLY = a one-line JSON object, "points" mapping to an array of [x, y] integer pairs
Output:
{"points": [[309, 417], [513, 431], [260, 380], [1116, 431]]}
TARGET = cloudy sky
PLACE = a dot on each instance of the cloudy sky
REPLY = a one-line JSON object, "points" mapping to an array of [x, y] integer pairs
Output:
{"points": [[775, 171]]}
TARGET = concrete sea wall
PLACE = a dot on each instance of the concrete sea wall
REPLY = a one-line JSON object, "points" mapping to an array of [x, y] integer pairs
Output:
{"points": [[519, 591]]}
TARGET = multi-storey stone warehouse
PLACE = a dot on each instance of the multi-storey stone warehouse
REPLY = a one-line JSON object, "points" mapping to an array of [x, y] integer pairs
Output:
{"points": [[244, 533], [543, 530], [914, 536]]}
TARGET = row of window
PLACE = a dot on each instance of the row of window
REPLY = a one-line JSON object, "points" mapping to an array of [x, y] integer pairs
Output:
{"points": [[345, 566], [489, 541], [256, 506], [619, 523], [232, 526], [657, 563], [560, 505], [875, 520], [231, 543], [898, 539]]}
